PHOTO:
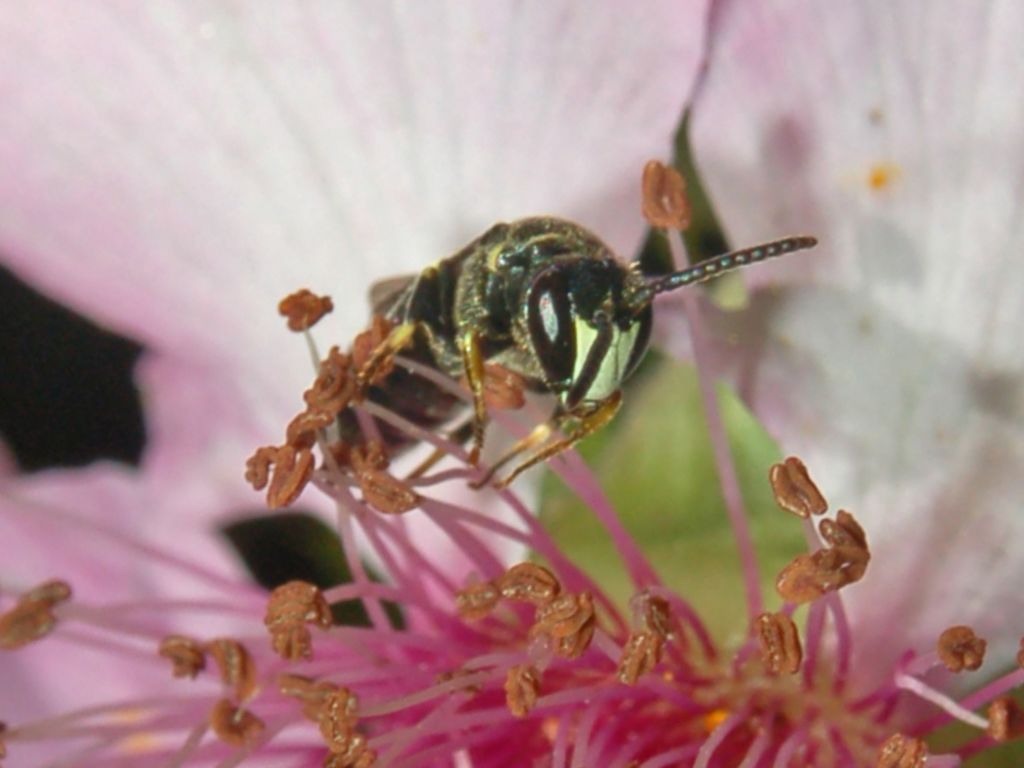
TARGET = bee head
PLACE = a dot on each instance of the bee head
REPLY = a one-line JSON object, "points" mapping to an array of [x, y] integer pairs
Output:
{"points": [[584, 333], [589, 319]]}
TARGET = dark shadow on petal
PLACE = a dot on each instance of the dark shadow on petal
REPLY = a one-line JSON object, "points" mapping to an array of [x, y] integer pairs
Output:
{"points": [[67, 397]]}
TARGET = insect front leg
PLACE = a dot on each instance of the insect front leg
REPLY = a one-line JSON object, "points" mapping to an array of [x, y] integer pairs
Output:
{"points": [[473, 365], [535, 448]]}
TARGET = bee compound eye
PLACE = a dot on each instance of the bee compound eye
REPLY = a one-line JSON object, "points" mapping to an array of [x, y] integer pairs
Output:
{"points": [[549, 320]]}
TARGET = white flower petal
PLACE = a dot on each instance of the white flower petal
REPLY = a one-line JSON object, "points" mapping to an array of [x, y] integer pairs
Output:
{"points": [[895, 132], [174, 169]]}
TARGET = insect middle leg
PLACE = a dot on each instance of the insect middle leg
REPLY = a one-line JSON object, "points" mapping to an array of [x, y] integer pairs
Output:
{"points": [[460, 435], [575, 424]]}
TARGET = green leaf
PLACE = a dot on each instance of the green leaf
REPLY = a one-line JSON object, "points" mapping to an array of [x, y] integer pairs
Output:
{"points": [[282, 547], [656, 464]]}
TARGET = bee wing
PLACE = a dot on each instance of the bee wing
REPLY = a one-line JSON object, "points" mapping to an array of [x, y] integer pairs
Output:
{"points": [[384, 293]]}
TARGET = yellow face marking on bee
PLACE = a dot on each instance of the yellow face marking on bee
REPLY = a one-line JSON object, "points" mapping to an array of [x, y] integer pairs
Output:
{"points": [[612, 366]]}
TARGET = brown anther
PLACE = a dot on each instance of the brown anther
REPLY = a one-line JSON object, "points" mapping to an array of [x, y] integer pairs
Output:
{"points": [[302, 431], [356, 756], [794, 490], [573, 646], [185, 653], [373, 455], [808, 577], [901, 751], [477, 600], [845, 531], [779, 641], [304, 309], [1005, 719], [529, 583], [503, 389], [292, 472], [367, 344], [380, 488], [25, 623], [51, 593], [334, 386], [801, 581], [640, 655], [32, 617], [569, 621], [337, 719], [3, 746], [1020, 654], [651, 613], [663, 194], [235, 665], [385, 492], [258, 466], [312, 693], [522, 683], [959, 649], [843, 562], [234, 725], [291, 607]]}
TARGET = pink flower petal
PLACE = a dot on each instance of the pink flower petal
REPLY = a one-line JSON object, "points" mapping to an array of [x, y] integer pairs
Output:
{"points": [[86, 527], [894, 131], [175, 170]]}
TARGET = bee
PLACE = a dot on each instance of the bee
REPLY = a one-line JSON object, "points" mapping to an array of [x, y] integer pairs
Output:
{"points": [[545, 299]]}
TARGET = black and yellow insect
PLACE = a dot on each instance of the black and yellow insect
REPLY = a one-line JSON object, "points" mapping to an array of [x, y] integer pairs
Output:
{"points": [[547, 300]]}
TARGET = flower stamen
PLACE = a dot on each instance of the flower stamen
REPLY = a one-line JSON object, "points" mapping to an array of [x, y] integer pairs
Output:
{"points": [[1005, 719], [291, 607], [303, 309], [288, 469], [958, 648], [663, 197], [843, 562], [643, 649], [312, 693], [794, 489], [235, 664], [568, 621], [522, 686], [185, 654], [32, 616], [901, 751], [529, 583], [235, 725], [380, 488], [337, 721], [779, 641], [334, 387], [477, 600]]}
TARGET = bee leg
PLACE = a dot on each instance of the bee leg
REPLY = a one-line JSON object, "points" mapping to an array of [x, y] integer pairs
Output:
{"points": [[459, 435], [537, 437], [396, 341], [580, 425], [473, 365]]}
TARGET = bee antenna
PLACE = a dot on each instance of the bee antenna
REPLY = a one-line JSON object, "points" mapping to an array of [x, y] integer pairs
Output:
{"points": [[719, 265]]}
